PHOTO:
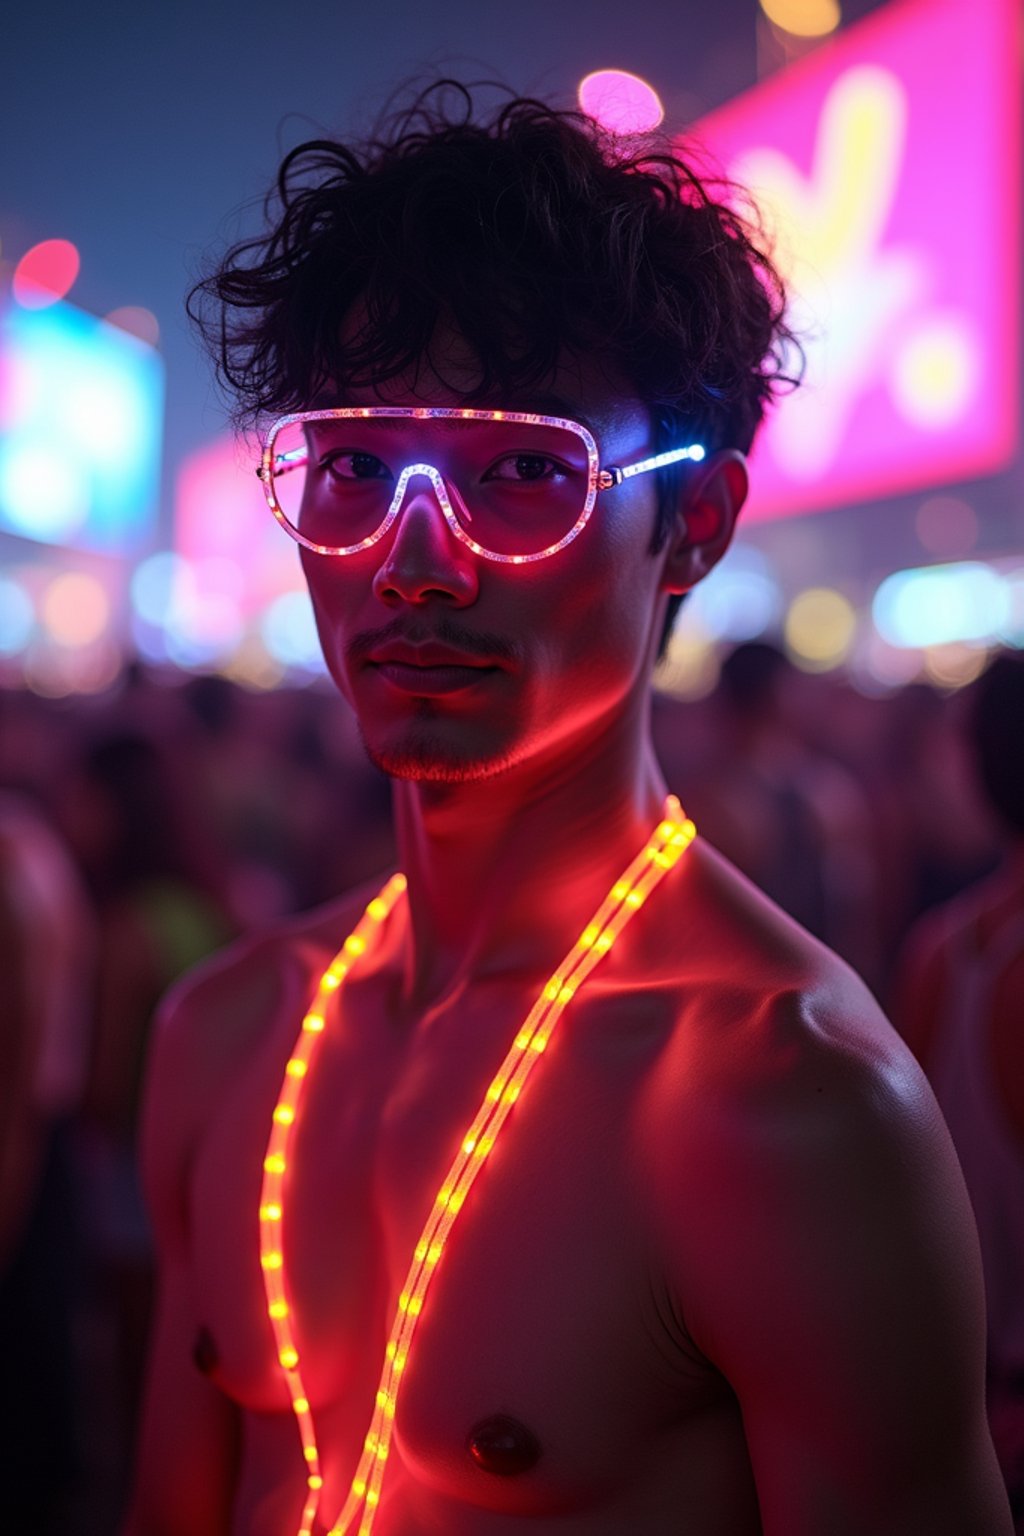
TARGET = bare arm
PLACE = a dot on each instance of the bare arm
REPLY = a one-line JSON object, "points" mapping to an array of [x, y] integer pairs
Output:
{"points": [[827, 1263], [187, 1451]]}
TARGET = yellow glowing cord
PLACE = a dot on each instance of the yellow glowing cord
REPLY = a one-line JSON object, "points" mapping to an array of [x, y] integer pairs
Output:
{"points": [[275, 1166], [670, 839]]}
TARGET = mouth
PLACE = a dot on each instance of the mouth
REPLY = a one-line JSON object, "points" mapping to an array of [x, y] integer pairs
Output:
{"points": [[429, 670]]}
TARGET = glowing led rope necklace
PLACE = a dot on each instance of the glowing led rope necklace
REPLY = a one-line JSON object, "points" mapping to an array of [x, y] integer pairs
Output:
{"points": [[669, 840]]}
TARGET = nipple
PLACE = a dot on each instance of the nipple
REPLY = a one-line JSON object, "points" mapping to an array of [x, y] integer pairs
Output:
{"points": [[503, 1446], [204, 1352]]}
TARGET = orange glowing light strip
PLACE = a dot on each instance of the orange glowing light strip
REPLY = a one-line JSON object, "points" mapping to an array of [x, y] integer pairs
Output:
{"points": [[275, 1165], [670, 839]]}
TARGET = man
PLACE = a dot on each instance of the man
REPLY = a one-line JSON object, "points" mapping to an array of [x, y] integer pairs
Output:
{"points": [[47, 956], [717, 1273]]}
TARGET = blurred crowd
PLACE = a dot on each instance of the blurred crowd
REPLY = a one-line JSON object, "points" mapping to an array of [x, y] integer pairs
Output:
{"points": [[143, 829]]}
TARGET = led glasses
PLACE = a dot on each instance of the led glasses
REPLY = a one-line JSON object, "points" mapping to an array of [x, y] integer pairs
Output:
{"points": [[512, 485]]}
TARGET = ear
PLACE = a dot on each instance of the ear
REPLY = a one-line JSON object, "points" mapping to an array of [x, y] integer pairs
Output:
{"points": [[705, 520]]}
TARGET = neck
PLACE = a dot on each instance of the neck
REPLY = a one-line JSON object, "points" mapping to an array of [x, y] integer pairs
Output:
{"points": [[503, 871]]}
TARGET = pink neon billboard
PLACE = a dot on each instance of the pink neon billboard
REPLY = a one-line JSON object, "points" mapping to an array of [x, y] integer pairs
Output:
{"points": [[222, 522], [887, 165]]}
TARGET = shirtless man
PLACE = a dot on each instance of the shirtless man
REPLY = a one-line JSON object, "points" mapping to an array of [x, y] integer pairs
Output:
{"points": [[718, 1274]]}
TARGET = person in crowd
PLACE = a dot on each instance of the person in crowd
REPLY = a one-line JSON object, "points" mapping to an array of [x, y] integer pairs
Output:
{"points": [[790, 817], [960, 1007], [559, 1182], [47, 963], [124, 810]]}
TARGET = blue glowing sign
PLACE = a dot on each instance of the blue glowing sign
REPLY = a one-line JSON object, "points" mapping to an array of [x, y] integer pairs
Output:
{"points": [[81, 411]]}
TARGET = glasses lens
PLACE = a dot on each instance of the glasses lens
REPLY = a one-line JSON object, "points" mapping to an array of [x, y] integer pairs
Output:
{"points": [[516, 487]]}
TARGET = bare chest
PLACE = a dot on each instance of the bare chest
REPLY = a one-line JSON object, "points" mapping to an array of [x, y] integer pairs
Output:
{"points": [[546, 1311]]}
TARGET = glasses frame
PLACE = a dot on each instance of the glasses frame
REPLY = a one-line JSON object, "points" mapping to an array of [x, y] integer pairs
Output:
{"points": [[600, 478]]}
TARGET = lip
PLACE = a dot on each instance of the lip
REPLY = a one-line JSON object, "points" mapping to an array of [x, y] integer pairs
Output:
{"points": [[430, 654], [429, 669]]}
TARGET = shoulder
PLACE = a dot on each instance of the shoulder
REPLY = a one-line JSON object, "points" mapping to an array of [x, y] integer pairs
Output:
{"points": [[210, 1023], [739, 964], [815, 1230], [791, 1116], [220, 1004]]}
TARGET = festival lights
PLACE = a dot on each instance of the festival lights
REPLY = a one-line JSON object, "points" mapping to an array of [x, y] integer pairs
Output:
{"points": [[621, 102], [80, 423], [947, 526], [943, 605], [289, 632], [45, 273], [137, 321], [803, 18], [17, 616], [76, 608], [820, 629]]}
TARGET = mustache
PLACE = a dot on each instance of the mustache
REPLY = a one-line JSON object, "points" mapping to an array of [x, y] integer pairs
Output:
{"points": [[482, 644]]}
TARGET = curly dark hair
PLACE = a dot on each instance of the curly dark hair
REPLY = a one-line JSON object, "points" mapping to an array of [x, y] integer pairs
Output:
{"points": [[534, 235]]}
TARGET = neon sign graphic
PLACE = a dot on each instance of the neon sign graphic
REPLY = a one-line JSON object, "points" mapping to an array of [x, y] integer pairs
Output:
{"points": [[887, 169]]}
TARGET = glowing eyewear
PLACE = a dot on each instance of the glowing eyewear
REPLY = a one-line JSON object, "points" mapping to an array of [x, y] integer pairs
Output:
{"points": [[512, 485]]}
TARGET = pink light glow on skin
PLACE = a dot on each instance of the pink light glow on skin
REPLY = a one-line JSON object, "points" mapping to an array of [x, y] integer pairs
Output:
{"points": [[620, 102], [888, 166], [45, 273]]}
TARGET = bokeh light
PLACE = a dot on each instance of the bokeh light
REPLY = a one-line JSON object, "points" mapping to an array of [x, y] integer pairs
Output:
{"points": [[154, 586], [877, 668], [17, 616], [55, 672], [45, 273], [690, 666], [75, 608], [622, 103], [947, 526], [820, 628], [42, 490], [252, 667], [740, 599], [289, 632], [43, 676], [954, 666], [803, 18], [941, 605], [137, 321], [1011, 630]]}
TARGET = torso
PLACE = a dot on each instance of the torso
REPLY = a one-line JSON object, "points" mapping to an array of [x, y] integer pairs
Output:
{"points": [[552, 1311]]}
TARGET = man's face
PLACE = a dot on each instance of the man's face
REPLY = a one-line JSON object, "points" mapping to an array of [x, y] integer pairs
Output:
{"points": [[459, 667]]}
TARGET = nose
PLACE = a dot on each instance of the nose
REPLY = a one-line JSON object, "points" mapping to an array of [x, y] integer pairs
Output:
{"points": [[424, 560]]}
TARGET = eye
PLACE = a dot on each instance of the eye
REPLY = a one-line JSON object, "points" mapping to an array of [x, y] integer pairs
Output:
{"points": [[354, 465], [526, 468]]}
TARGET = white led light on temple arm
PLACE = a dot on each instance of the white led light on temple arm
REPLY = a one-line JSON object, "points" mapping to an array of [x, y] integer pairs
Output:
{"points": [[614, 474]]}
